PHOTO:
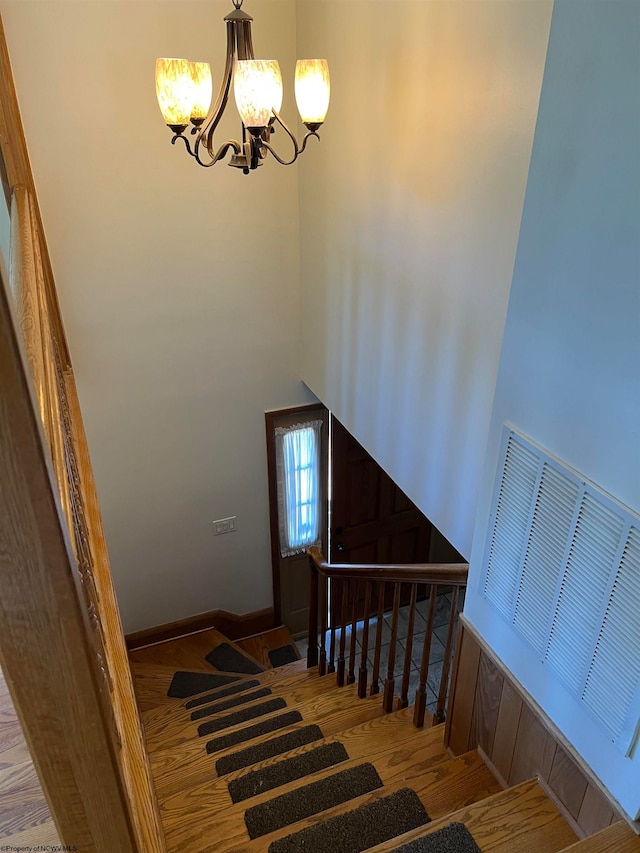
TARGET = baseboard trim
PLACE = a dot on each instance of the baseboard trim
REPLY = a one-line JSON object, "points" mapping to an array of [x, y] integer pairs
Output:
{"points": [[232, 625]]}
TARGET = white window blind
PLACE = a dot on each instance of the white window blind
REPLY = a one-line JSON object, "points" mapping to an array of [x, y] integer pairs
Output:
{"points": [[562, 566], [299, 486]]}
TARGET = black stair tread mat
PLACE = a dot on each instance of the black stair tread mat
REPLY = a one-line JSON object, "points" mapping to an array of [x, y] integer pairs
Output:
{"points": [[230, 703], [283, 655], [184, 684], [241, 716], [228, 659], [219, 694], [269, 749], [267, 778], [311, 799], [256, 730], [454, 838], [357, 830]]}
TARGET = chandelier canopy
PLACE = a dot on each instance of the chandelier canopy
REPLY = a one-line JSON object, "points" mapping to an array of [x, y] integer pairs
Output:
{"points": [[184, 90]]}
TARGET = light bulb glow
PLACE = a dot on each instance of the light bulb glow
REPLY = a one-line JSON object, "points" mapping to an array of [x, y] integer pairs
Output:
{"points": [[257, 85], [313, 89], [174, 90], [202, 89]]}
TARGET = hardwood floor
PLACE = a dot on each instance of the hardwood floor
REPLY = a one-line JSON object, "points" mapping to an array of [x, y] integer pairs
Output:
{"points": [[25, 820]]}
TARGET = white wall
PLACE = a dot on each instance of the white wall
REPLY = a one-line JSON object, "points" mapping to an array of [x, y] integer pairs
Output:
{"points": [[410, 212], [179, 290], [570, 366]]}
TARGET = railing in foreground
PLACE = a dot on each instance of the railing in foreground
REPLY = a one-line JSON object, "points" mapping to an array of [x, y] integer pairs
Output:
{"points": [[356, 591]]}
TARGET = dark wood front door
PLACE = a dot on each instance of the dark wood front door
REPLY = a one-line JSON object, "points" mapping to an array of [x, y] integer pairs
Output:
{"points": [[372, 520], [291, 576]]}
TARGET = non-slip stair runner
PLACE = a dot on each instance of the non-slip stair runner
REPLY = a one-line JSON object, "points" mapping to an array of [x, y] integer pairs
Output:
{"points": [[297, 767], [282, 656], [454, 838], [219, 694], [251, 732], [359, 829], [311, 799], [269, 749], [244, 699], [228, 659], [242, 716], [184, 684]]}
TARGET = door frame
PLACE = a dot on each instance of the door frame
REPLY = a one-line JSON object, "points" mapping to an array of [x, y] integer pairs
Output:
{"points": [[288, 417]]}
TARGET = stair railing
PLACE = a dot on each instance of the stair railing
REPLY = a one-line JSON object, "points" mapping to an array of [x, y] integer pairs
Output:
{"points": [[357, 593]]}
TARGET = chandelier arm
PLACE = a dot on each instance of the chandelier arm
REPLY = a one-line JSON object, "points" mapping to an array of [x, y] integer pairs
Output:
{"points": [[297, 151], [220, 153], [307, 138], [298, 148], [215, 114], [215, 158]]}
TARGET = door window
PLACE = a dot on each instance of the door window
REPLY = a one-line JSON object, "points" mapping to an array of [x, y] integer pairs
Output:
{"points": [[299, 486]]}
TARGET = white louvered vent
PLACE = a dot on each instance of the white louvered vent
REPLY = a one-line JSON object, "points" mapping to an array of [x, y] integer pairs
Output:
{"points": [[511, 524], [544, 560], [612, 673], [563, 567]]}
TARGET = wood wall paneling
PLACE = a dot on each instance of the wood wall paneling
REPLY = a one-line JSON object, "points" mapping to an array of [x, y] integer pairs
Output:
{"points": [[568, 781], [596, 812], [506, 732], [486, 706], [463, 694], [534, 751], [490, 711]]}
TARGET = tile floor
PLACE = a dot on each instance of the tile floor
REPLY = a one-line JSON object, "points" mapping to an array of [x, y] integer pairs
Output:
{"points": [[440, 625]]}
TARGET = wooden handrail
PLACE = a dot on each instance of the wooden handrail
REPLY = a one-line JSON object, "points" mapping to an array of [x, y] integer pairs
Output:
{"points": [[452, 574], [348, 582]]}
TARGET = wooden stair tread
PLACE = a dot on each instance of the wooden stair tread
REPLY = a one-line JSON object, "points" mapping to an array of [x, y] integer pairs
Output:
{"points": [[393, 751], [259, 645], [175, 714], [441, 787], [617, 838], [152, 681], [180, 768], [184, 651], [166, 729], [521, 819]]}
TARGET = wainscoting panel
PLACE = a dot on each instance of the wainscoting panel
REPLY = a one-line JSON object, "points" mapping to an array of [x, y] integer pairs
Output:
{"points": [[490, 712]]}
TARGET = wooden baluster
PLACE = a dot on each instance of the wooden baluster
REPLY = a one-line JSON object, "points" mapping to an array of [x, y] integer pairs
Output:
{"points": [[351, 676], [421, 695], [404, 693], [333, 585], [389, 684], [322, 645], [362, 674], [438, 717], [312, 649], [375, 676], [343, 632]]}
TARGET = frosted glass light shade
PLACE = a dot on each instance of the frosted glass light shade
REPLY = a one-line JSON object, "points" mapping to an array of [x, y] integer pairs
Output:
{"points": [[313, 89], [257, 85], [274, 81], [202, 89], [174, 90]]}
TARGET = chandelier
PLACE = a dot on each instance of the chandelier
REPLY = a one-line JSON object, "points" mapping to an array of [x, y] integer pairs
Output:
{"points": [[184, 90]]}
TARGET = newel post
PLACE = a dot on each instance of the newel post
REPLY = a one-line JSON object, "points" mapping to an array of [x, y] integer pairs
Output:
{"points": [[312, 651]]}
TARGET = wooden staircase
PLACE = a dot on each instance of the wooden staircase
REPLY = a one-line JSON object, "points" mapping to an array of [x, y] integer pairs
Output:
{"points": [[219, 792]]}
